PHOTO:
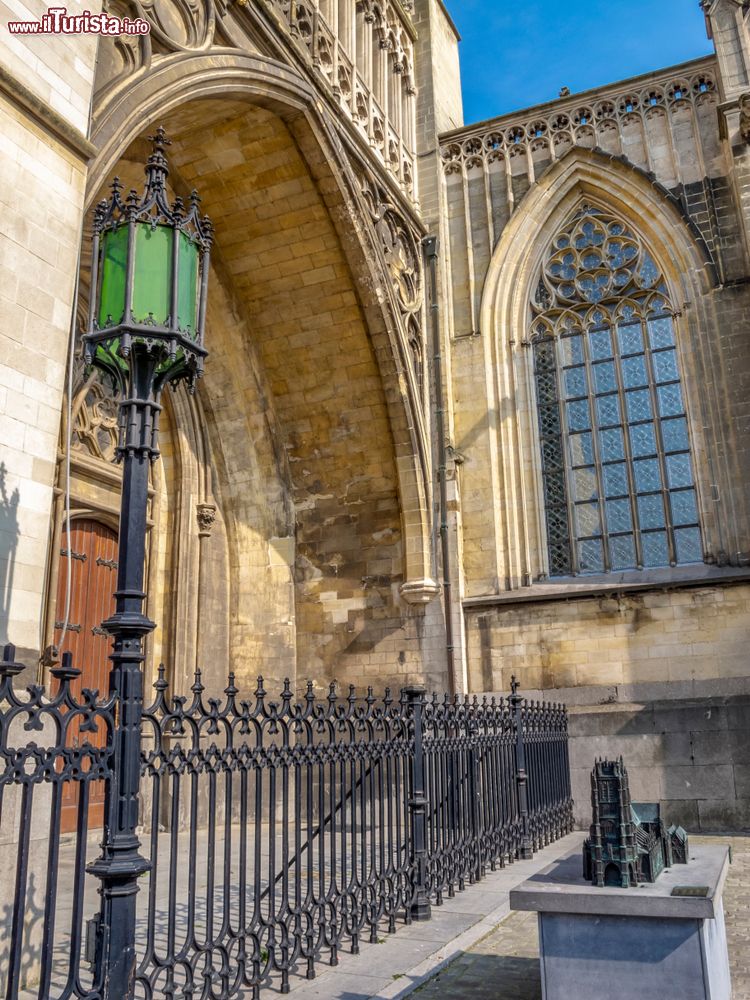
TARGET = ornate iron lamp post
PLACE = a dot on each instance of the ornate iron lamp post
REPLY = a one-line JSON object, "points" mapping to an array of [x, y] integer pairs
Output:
{"points": [[148, 306]]}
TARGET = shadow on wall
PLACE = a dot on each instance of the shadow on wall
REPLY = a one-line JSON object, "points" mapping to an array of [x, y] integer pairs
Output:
{"points": [[692, 756], [9, 533]]}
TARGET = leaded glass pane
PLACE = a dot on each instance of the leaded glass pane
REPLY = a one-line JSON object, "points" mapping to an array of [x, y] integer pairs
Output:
{"points": [[665, 366], [608, 493], [642, 440], [688, 545], [675, 434], [634, 372], [655, 548], [651, 511], [670, 400], [638, 403], [647, 475], [679, 471], [615, 480], [608, 410], [684, 507], [591, 556], [575, 382], [612, 444], [649, 272], [619, 515], [549, 418], [581, 449], [552, 455], [630, 338], [557, 525], [572, 350], [605, 379], [546, 388], [578, 415], [600, 344], [585, 484], [623, 552], [661, 332], [588, 519]]}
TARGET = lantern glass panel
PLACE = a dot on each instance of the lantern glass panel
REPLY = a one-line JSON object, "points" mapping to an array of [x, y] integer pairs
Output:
{"points": [[187, 291], [114, 262], [153, 274]]}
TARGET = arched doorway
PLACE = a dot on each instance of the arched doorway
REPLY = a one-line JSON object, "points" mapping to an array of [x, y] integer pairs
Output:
{"points": [[89, 558]]}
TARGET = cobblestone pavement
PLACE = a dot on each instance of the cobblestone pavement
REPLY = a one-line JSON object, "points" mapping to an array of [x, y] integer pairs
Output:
{"points": [[505, 964]]}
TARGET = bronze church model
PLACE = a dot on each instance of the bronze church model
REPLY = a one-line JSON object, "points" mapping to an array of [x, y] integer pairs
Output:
{"points": [[628, 842]]}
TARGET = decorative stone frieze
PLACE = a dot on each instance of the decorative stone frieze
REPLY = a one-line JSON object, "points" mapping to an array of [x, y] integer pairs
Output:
{"points": [[600, 120]]}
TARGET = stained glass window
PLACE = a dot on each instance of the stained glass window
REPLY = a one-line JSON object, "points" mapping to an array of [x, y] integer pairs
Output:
{"points": [[619, 489]]}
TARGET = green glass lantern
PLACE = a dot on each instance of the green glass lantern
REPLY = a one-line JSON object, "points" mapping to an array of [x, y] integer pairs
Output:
{"points": [[149, 280]]}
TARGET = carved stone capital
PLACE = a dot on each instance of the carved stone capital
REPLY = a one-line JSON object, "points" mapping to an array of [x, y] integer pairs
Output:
{"points": [[419, 592], [206, 514]]}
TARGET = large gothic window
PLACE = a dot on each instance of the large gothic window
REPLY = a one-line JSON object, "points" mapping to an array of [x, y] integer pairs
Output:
{"points": [[619, 490]]}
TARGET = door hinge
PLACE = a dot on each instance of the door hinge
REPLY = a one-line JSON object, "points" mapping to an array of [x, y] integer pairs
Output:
{"points": [[80, 556], [70, 628]]}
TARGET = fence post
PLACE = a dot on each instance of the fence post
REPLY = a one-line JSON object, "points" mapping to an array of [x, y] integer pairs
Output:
{"points": [[473, 734], [516, 702], [420, 908]]}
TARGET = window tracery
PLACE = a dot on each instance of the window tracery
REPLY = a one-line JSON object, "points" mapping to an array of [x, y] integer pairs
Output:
{"points": [[95, 430], [619, 488]]}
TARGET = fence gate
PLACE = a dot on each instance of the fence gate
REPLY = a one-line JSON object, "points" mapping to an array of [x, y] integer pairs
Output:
{"points": [[277, 830]]}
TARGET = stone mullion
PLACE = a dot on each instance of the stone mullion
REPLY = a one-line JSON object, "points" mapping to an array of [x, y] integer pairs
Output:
{"points": [[530, 163], [509, 184], [488, 202], [520, 510], [649, 166], [669, 132], [469, 250]]}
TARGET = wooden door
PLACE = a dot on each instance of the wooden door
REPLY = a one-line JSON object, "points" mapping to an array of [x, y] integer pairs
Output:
{"points": [[91, 551]]}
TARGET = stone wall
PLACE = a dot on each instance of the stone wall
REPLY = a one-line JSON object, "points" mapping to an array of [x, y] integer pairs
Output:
{"points": [[45, 86], [610, 638], [659, 677]]}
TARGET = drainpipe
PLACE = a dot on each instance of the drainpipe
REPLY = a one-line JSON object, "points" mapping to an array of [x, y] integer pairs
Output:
{"points": [[430, 246]]}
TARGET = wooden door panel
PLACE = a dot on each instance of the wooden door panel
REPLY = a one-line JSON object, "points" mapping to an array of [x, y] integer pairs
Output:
{"points": [[91, 552]]}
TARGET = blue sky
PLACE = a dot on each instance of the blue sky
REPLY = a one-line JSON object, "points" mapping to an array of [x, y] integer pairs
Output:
{"points": [[516, 53]]}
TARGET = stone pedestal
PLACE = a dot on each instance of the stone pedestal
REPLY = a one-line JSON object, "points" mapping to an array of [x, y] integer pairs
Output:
{"points": [[630, 944]]}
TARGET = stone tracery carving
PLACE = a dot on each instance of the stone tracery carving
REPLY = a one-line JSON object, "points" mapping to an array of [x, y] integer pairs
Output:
{"points": [[179, 25], [387, 121], [95, 424], [576, 123], [400, 246]]}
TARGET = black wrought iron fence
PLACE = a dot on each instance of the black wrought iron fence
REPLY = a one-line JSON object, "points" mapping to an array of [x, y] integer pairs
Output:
{"points": [[276, 831]]}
